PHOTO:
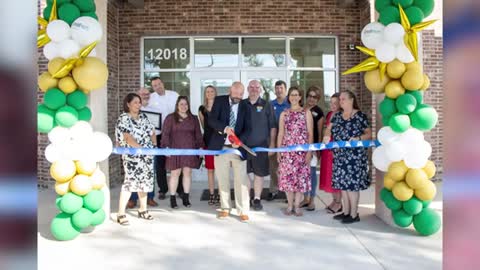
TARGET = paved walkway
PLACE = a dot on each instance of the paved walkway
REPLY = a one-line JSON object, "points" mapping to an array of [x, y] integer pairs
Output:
{"points": [[195, 239]]}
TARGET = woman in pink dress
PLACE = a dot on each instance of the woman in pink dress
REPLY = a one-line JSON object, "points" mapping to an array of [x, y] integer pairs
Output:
{"points": [[295, 127], [326, 164]]}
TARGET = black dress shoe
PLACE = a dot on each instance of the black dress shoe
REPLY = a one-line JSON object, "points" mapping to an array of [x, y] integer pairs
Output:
{"points": [[257, 205], [340, 217], [272, 196], [349, 219], [173, 202], [161, 196]]}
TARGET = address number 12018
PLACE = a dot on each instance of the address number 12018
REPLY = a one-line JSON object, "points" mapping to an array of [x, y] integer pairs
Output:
{"points": [[167, 54]]}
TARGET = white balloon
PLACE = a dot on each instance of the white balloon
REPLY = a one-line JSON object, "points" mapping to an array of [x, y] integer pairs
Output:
{"points": [[380, 159], [372, 35], [396, 151], [411, 136], [53, 153], [93, 53], [101, 146], [86, 30], [51, 50], [58, 30], [68, 48], [385, 52], [59, 135], [81, 129], [394, 33], [417, 155], [403, 54], [386, 136]]}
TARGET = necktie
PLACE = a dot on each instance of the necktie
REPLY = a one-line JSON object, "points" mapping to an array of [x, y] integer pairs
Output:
{"points": [[232, 117]]}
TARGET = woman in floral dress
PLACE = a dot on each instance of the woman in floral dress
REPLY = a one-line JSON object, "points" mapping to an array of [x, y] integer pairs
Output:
{"points": [[135, 130], [295, 127]]}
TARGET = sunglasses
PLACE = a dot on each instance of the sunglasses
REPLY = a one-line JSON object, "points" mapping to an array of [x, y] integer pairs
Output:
{"points": [[311, 96]]}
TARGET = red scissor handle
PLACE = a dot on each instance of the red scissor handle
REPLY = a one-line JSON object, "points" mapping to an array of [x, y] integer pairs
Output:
{"points": [[234, 139]]}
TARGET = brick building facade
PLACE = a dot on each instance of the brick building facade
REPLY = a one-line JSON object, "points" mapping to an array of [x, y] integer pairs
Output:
{"points": [[127, 24]]}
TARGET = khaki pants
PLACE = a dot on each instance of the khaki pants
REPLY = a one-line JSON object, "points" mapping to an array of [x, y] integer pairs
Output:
{"points": [[240, 179], [273, 163]]}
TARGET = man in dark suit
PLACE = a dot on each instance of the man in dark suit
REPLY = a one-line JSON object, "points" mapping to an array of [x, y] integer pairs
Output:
{"points": [[230, 116]]}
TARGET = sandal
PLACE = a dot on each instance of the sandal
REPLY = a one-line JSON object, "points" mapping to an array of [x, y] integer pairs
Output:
{"points": [[298, 212], [217, 199], [311, 207], [122, 220], [287, 212], [211, 200], [331, 211], [145, 215]]}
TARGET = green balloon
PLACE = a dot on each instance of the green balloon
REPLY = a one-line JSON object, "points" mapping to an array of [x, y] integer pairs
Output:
{"points": [[57, 202], [69, 13], [424, 118], [82, 218], [413, 206], [425, 5], [62, 228], [77, 99], [85, 5], [399, 122], [71, 203], [406, 103], [404, 3], [389, 15], [66, 116], [391, 202], [94, 200], [402, 219], [54, 98], [90, 14], [46, 12], [85, 114], [381, 4], [386, 121], [418, 96], [383, 193], [45, 119], [425, 204], [415, 15], [387, 107], [98, 217], [427, 222]]}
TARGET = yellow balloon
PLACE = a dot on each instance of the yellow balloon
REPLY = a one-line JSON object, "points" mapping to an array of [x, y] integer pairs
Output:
{"points": [[388, 182], [397, 170], [426, 83], [401, 191], [394, 89], [91, 75], [55, 64], [414, 66], [430, 169], [63, 170], [62, 188], [81, 184], [426, 193], [98, 179], [395, 69], [86, 167], [45, 81], [67, 85], [412, 79], [373, 82], [416, 178]]}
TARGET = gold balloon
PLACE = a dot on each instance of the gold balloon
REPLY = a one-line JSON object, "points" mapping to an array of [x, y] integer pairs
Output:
{"points": [[426, 83], [412, 80], [430, 169], [93, 74], [397, 170], [45, 81], [62, 188], [373, 82], [402, 192], [395, 69], [414, 66], [55, 64], [73, 62], [426, 193], [63, 170], [98, 179], [388, 182], [86, 167], [394, 89], [416, 178], [67, 85], [81, 185]]}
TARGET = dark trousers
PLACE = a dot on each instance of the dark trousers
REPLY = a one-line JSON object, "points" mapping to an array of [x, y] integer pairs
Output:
{"points": [[161, 175]]}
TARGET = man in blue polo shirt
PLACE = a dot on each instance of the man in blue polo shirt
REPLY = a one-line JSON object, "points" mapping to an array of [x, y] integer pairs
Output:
{"points": [[279, 105]]}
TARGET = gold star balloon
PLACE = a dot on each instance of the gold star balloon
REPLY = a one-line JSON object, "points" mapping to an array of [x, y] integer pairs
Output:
{"points": [[368, 64], [411, 31], [70, 63], [42, 37]]}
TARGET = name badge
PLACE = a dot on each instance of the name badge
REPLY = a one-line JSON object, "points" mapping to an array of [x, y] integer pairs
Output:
{"points": [[259, 108]]}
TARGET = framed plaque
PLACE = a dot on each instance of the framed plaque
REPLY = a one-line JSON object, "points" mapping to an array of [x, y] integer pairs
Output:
{"points": [[154, 118]]}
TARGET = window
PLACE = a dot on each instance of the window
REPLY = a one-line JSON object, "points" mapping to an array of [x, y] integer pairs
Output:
{"points": [[176, 81], [263, 52], [312, 52], [166, 53], [325, 80], [216, 52]]}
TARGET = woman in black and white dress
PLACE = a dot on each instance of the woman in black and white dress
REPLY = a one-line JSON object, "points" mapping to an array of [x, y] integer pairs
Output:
{"points": [[134, 130]]}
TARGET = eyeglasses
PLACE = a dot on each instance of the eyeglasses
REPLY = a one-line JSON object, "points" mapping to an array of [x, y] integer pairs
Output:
{"points": [[294, 95], [310, 96]]}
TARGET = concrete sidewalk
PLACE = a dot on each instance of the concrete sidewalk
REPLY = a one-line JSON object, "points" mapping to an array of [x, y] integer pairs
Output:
{"points": [[195, 239]]}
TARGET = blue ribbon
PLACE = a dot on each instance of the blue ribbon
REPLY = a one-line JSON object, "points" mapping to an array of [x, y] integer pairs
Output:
{"points": [[201, 152]]}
